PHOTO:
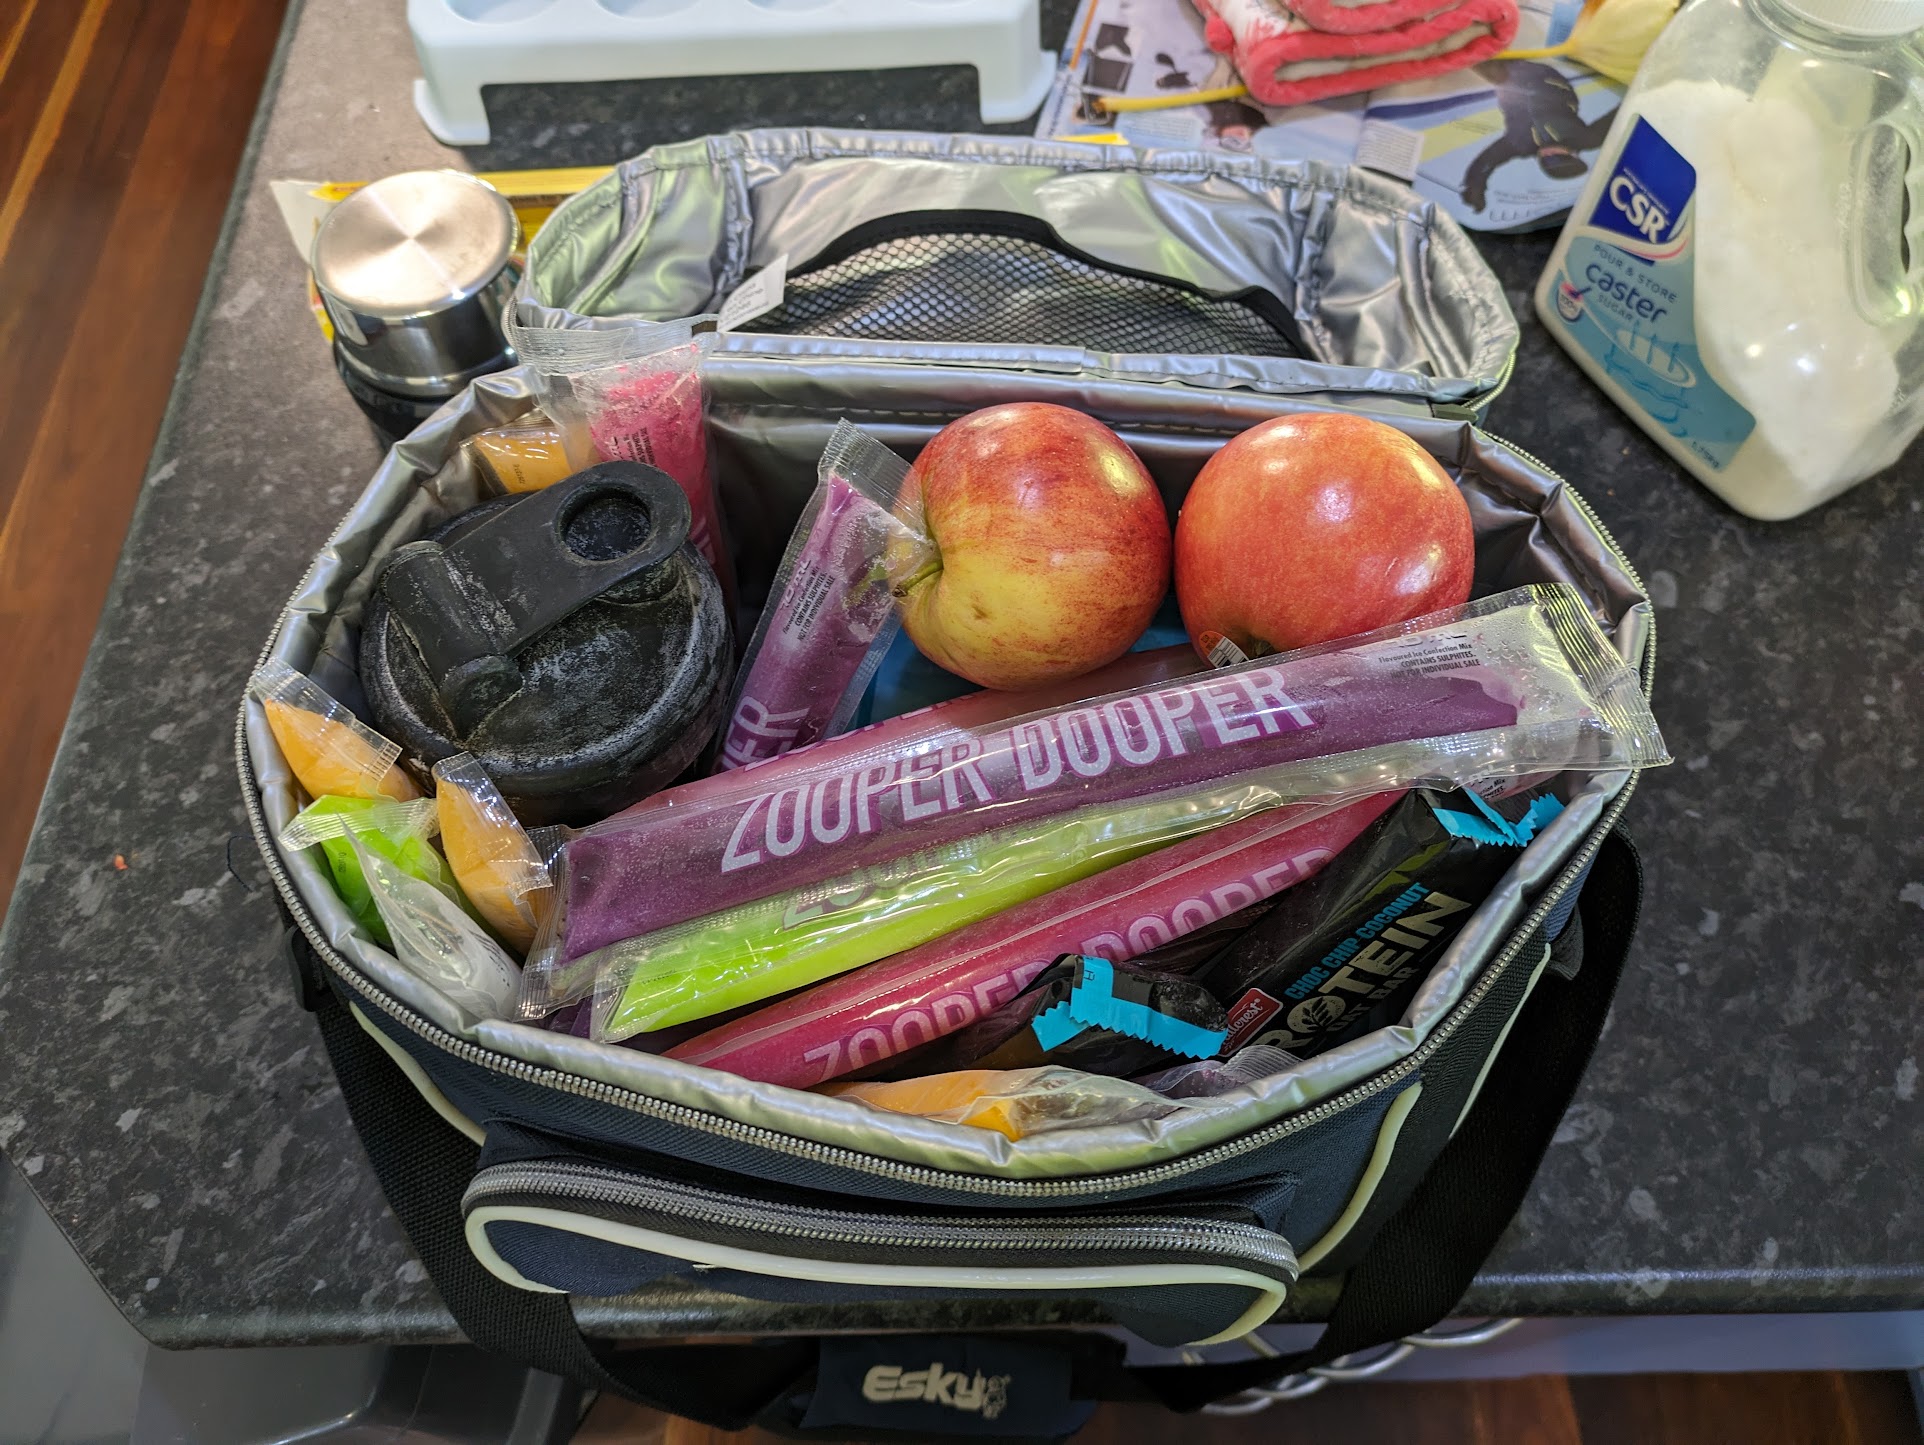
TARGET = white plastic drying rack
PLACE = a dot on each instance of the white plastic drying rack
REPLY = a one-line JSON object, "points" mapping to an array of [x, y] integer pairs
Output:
{"points": [[466, 44]]}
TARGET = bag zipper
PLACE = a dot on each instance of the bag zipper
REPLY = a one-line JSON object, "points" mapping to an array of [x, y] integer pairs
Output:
{"points": [[1648, 671], [1144, 1177], [1158, 1234]]}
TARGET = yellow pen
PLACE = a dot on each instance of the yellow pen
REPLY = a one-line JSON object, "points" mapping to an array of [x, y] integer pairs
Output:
{"points": [[1117, 104]]}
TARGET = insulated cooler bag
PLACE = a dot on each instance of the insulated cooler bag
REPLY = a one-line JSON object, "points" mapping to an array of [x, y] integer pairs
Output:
{"points": [[1180, 299]]}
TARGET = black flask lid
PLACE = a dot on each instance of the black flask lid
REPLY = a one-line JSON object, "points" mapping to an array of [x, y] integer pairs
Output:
{"points": [[569, 637], [470, 602]]}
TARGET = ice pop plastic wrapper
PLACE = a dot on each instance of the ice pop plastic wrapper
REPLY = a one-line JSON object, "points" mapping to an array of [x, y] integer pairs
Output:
{"points": [[923, 730], [1520, 682], [773, 945], [331, 752], [1015, 1102], [831, 613], [399, 832], [634, 392], [863, 1019], [499, 869], [436, 940], [550, 984]]}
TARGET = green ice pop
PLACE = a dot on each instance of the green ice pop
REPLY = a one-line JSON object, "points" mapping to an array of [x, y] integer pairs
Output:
{"points": [[745, 954]]}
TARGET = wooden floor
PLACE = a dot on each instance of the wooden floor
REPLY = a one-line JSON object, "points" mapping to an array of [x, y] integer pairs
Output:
{"points": [[1776, 1409], [121, 125]]}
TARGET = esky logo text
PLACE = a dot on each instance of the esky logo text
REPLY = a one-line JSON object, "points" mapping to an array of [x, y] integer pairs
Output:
{"points": [[987, 1395]]}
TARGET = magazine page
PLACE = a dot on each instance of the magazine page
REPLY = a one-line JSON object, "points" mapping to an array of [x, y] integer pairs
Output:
{"points": [[1504, 145], [1155, 47]]}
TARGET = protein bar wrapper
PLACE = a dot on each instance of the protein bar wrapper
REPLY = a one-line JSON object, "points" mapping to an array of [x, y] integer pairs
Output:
{"points": [[1090, 1014], [1344, 954]]}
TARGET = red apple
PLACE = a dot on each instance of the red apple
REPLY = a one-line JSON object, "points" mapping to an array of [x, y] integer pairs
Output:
{"points": [[1306, 528], [1051, 546]]}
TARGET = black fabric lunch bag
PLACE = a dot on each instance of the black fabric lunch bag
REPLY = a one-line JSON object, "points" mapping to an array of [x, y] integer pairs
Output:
{"points": [[537, 1173]]}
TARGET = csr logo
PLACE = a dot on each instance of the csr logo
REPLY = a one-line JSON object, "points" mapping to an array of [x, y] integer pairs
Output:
{"points": [[1644, 211], [987, 1395], [1649, 189]]}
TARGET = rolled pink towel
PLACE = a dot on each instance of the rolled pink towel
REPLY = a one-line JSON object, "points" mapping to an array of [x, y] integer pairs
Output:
{"points": [[1311, 50]]}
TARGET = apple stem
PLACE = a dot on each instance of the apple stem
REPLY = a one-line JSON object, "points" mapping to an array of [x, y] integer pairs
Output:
{"points": [[920, 575]]}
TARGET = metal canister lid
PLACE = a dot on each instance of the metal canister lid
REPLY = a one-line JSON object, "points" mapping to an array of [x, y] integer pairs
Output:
{"points": [[414, 271], [414, 243]]}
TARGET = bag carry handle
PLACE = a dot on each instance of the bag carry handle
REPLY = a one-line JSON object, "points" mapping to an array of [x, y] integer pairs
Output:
{"points": [[1413, 1273]]}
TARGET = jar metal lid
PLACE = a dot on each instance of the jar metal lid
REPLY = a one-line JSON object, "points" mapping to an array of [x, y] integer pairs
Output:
{"points": [[1865, 19], [413, 244]]}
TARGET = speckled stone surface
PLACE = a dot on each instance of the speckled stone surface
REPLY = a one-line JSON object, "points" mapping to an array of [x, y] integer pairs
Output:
{"points": [[1747, 1138]]}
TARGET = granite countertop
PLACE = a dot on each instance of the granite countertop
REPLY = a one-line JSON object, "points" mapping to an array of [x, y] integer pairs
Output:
{"points": [[1746, 1139]]}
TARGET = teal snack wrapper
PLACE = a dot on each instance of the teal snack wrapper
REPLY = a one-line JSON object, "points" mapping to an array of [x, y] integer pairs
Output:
{"points": [[1090, 1014]]}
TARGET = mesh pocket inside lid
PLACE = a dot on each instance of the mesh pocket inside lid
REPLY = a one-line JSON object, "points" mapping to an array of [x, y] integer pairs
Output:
{"points": [[975, 281]]}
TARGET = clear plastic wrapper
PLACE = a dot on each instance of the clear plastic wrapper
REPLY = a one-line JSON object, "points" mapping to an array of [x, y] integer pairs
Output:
{"points": [[331, 752], [534, 999], [1015, 1102], [774, 945], [923, 730], [831, 613], [1344, 954], [556, 990], [1520, 682], [433, 937], [502, 873], [399, 832], [862, 1020], [1208, 1078], [525, 457], [635, 393]]}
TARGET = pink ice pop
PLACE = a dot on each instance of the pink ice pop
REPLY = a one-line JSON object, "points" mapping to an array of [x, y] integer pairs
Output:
{"points": [[887, 1008], [655, 410]]}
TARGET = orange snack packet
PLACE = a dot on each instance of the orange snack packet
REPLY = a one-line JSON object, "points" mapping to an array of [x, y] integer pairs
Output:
{"points": [[331, 752], [497, 866], [521, 458]]}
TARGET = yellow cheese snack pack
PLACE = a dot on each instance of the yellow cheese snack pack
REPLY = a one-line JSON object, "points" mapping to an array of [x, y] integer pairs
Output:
{"points": [[499, 869], [331, 752]]}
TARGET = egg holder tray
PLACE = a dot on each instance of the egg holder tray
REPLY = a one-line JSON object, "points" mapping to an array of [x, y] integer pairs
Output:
{"points": [[465, 45]]}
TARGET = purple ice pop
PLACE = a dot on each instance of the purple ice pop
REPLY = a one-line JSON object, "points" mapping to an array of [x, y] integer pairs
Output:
{"points": [[833, 604], [820, 823]]}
